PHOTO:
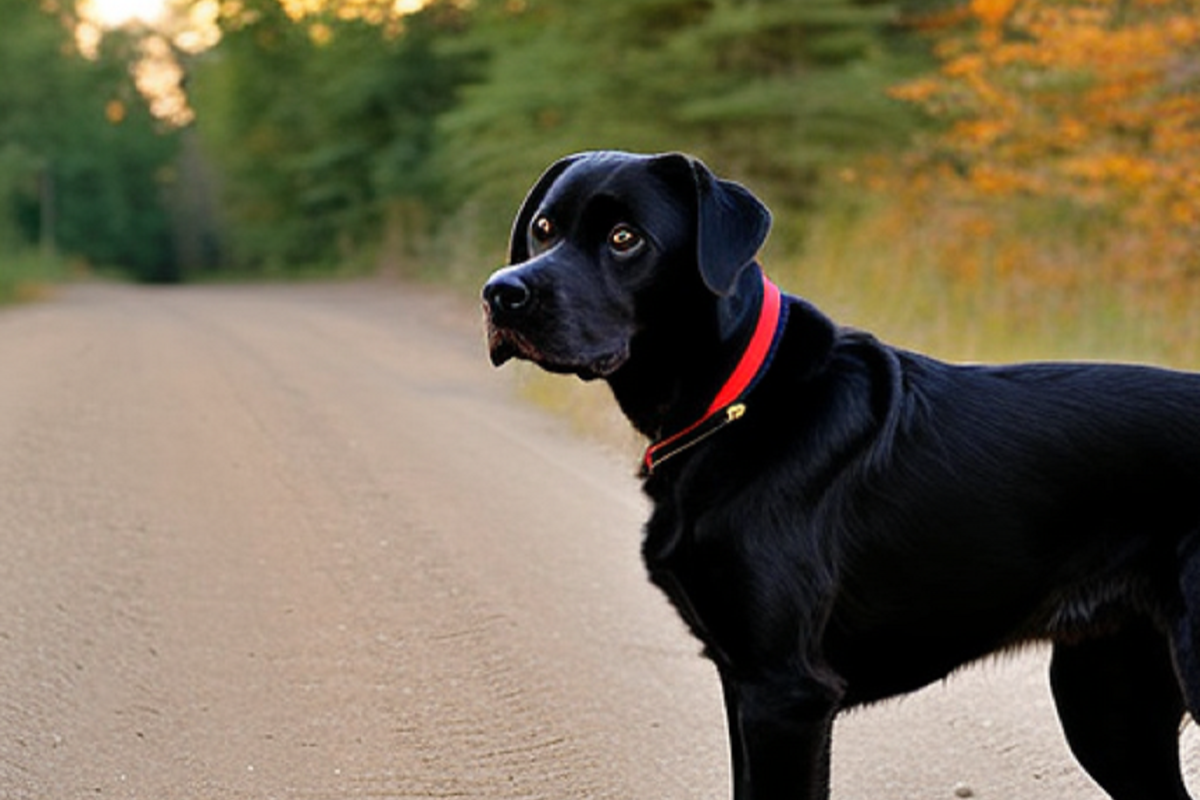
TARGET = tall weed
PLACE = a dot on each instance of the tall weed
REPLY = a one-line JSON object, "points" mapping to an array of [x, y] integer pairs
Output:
{"points": [[1022, 279]]}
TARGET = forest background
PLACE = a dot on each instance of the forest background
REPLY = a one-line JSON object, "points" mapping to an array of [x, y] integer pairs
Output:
{"points": [[977, 177]]}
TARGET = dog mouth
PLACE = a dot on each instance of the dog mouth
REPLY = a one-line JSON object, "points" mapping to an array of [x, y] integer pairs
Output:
{"points": [[506, 343]]}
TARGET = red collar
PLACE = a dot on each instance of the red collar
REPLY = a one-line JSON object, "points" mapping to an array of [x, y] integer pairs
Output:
{"points": [[728, 405]]}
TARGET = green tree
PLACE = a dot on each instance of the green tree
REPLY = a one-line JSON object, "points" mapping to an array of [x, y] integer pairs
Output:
{"points": [[82, 161], [340, 126], [776, 92], [784, 90], [114, 170], [319, 125], [248, 96]]}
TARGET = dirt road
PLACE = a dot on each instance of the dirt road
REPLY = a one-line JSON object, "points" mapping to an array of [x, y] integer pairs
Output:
{"points": [[303, 542]]}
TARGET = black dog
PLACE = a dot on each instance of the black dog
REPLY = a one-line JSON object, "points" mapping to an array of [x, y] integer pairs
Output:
{"points": [[840, 521]]}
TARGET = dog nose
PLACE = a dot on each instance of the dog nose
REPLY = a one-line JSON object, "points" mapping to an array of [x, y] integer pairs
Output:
{"points": [[506, 293]]}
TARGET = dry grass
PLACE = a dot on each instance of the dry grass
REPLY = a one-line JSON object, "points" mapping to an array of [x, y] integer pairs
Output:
{"points": [[992, 285], [588, 407]]}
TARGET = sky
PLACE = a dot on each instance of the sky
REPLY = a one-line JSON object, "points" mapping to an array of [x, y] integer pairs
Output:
{"points": [[113, 13]]}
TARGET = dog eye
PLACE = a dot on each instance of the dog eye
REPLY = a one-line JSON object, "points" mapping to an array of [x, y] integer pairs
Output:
{"points": [[624, 240], [542, 229]]}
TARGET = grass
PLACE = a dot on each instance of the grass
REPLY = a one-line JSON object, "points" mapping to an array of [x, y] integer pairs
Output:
{"points": [[588, 407], [27, 276], [994, 284]]}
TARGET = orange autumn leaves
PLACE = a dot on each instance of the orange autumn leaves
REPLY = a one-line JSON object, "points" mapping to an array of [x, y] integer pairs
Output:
{"points": [[1093, 101]]}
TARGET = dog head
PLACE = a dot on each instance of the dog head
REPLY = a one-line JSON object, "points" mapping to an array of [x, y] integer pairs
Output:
{"points": [[600, 236]]}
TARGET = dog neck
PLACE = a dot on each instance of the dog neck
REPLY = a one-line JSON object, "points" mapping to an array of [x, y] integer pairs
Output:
{"points": [[702, 400]]}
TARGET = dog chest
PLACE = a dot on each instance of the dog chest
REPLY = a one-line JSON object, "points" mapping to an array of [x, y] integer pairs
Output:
{"points": [[748, 590]]}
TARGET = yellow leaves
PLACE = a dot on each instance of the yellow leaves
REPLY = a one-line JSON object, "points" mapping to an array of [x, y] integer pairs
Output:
{"points": [[920, 91], [966, 66], [1116, 170], [992, 180], [1183, 30], [320, 33], [992, 12], [299, 9], [980, 133], [114, 111], [1072, 132], [1092, 101], [375, 12]]}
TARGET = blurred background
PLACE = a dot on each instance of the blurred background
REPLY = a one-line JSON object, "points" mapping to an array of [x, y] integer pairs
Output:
{"points": [[981, 178]]}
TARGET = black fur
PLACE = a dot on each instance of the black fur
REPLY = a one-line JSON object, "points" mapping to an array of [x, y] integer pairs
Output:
{"points": [[878, 518]]}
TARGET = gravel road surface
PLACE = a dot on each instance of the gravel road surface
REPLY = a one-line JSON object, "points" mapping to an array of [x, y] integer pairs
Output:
{"points": [[303, 542]]}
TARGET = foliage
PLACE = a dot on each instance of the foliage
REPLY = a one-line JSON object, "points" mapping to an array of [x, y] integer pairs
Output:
{"points": [[773, 92], [1096, 102], [81, 159], [318, 127], [335, 132], [341, 131]]}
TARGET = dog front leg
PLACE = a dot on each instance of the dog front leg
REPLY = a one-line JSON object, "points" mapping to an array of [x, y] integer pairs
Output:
{"points": [[780, 738], [737, 747]]}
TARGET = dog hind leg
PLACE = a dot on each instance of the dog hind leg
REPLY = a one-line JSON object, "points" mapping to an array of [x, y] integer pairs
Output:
{"points": [[1120, 706], [1186, 639]]}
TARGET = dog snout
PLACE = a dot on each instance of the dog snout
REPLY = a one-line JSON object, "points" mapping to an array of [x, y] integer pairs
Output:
{"points": [[507, 293]]}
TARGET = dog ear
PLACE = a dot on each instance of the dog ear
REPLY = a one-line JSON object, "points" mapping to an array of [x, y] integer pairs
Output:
{"points": [[731, 223], [518, 242]]}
